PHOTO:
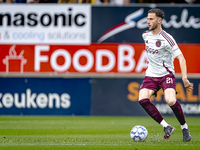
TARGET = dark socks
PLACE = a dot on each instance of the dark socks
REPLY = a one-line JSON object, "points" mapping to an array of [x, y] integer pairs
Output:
{"points": [[176, 108], [151, 110]]}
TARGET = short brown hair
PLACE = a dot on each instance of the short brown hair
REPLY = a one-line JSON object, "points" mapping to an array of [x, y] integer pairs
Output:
{"points": [[158, 12]]}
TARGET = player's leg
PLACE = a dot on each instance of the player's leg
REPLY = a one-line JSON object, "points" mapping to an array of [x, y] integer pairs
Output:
{"points": [[166, 82], [144, 96], [144, 100], [148, 87], [170, 98]]}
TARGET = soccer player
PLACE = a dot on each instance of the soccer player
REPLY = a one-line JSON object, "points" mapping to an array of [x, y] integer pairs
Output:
{"points": [[160, 47]]}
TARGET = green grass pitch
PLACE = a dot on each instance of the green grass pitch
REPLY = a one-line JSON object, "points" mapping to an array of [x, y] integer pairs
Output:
{"points": [[98, 133]]}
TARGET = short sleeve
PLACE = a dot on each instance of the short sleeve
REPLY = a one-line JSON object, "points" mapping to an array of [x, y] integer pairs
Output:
{"points": [[176, 51], [173, 48]]}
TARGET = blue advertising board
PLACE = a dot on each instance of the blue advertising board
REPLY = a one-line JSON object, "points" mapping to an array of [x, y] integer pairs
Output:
{"points": [[126, 24], [96, 96], [45, 96], [119, 97], [109, 98]]}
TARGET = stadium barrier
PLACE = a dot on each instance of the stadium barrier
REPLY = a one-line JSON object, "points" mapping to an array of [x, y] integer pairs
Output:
{"points": [[86, 96], [72, 60]]}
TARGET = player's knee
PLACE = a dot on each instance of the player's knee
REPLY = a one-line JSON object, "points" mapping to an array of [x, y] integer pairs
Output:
{"points": [[170, 101]]}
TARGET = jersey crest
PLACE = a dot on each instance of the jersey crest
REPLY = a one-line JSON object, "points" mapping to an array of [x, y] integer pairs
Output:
{"points": [[158, 43]]}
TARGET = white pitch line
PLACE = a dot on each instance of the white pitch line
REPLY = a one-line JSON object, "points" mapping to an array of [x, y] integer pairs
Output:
{"points": [[75, 144]]}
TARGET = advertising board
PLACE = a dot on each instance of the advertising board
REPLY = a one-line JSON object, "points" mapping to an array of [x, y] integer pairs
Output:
{"points": [[45, 24], [126, 24], [92, 59], [45, 96], [119, 97], [87, 96], [70, 39]]}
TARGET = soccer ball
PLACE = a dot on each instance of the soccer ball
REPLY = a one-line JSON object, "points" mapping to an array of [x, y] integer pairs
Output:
{"points": [[139, 133]]}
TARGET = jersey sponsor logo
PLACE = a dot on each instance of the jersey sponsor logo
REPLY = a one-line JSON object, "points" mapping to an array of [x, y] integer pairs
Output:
{"points": [[151, 50]]}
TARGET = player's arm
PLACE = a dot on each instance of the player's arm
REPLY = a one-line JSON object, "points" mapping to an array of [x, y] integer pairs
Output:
{"points": [[186, 82]]}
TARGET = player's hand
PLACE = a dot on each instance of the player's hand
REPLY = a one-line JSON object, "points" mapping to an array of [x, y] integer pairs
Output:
{"points": [[187, 84]]}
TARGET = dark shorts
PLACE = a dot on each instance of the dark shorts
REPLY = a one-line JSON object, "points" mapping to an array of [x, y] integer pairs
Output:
{"points": [[156, 83]]}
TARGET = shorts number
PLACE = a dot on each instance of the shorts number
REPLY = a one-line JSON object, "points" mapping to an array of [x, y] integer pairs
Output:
{"points": [[169, 80]]}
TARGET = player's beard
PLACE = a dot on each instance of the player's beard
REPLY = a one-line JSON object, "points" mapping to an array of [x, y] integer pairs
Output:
{"points": [[153, 27]]}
